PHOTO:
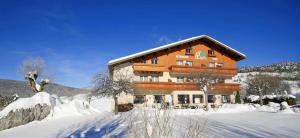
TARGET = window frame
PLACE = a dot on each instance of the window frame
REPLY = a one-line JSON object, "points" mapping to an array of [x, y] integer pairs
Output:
{"points": [[186, 63], [189, 50], [178, 78], [201, 98], [183, 96], [144, 78], [178, 61], [214, 64], [210, 52], [154, 60], [138, 100]]}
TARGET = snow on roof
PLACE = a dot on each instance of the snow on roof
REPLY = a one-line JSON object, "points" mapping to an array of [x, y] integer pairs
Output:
{"points": [[118, 60]]}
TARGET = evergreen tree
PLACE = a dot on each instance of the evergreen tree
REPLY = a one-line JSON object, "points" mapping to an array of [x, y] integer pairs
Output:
{"points": [[237, 98]]}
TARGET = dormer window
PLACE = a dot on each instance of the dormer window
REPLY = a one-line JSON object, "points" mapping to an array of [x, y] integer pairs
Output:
{"points": [[189, 50], [211, 53], [154, 60]]}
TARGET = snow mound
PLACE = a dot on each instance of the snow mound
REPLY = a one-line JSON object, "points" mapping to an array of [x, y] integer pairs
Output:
{"points": [[271, 107], [235, 108], [25, 103], [80, 105], [286, 108]]}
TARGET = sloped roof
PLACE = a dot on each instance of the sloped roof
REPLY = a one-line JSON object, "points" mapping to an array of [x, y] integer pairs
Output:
{"points": [[239, 55]]}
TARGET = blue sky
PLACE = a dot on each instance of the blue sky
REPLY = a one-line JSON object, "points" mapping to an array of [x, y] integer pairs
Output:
{"points": [[77, 38]]}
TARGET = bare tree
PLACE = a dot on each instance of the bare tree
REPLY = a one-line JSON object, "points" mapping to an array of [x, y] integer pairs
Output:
{"points": [[104, 85], [204, 80], [261, 85], [33, 69]]}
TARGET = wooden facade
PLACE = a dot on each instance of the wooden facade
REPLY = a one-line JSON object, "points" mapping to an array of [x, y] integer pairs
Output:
{"points": [[199, 55]]}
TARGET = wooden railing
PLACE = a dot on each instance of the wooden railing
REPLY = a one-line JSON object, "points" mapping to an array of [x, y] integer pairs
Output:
{"points": [[192, 69], [224, 87], [141, 67], [220, 87]]}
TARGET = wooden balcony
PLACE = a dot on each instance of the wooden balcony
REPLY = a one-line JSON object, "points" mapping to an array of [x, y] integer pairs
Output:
{"points": [[220, 87], [141, 67], [192, 69], [224, 87], [165, 86]]}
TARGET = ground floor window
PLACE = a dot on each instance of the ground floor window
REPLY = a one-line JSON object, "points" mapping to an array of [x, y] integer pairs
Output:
{"points": [[225, 98], [139, 99], [197, 98], [158, 98], [183, 99], [211, 98]]}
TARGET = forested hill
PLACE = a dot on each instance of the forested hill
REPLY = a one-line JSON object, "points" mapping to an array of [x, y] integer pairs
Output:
{"points": [[277, 67]]}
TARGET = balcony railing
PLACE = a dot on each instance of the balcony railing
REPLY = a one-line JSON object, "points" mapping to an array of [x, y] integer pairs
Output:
{"points": [[224, 87], [220, 87], [193, 69], [141, 67]]}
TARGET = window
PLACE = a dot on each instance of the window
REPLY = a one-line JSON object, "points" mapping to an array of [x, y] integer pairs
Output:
{"points": [[211, 64], [211, 98], [211, 52], [183, 99], [225, 98], [179, 62], [158, 99], [220, 65], [189, 63], [154, 78], [197, 98], [139, 99], [154, 61], [189, 79], [143, 61], [180, 79], [189, 50], [144, 78]]}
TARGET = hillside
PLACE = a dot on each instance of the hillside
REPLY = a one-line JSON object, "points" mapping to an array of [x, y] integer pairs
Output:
{"points": [[287, 71], [276, 67], [11, 87]]}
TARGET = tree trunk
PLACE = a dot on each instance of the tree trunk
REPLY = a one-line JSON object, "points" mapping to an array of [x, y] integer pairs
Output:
{"points": [[116, 104], [260, 99], [31, 83], [206, 100]]}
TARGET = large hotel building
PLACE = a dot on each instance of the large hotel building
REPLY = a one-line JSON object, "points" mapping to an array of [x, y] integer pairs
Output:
{"points": [[161, 75]]}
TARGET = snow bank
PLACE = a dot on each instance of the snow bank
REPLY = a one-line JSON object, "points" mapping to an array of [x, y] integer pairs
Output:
{"points": [[80, 105], [235, 108], [271, 107], [286, 108], [25, 103]]}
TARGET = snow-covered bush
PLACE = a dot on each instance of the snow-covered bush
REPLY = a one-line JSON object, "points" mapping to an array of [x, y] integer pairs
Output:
{"points": [[290, 99]]}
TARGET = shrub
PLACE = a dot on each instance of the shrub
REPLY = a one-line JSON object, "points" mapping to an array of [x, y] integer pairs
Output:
{"points": [[125, 107], [291, 101]]}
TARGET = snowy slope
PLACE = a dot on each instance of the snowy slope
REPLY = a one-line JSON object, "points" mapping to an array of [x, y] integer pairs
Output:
{"points": [[242, 77], [68, 114]]}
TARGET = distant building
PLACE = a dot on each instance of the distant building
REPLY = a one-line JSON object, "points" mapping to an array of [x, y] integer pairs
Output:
{"points": [[160, 74]]}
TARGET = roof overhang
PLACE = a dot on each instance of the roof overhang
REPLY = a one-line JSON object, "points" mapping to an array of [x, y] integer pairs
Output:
{"points": [[238, 55]]}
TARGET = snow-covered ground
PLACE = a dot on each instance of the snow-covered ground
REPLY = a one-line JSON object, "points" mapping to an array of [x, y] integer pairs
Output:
{"points": [[77, 117]]}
